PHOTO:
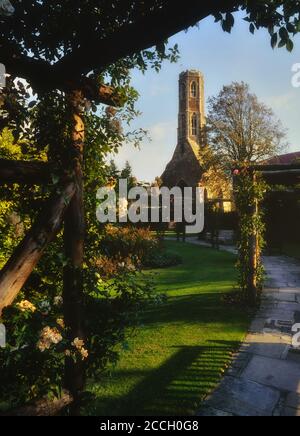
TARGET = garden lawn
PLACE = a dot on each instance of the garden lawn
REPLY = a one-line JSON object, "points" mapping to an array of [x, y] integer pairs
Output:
{"points": [[184, 345]]}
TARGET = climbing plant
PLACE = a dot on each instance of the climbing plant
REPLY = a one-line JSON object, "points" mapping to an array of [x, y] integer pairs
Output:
{"points": [[249, 190]]}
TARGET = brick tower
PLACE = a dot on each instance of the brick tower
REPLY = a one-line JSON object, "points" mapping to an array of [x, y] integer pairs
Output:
{"points": [[184, 168]]}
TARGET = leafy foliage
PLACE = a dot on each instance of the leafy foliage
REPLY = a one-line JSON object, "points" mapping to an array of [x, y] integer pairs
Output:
{"points": [[249, 194], [280, 18]]}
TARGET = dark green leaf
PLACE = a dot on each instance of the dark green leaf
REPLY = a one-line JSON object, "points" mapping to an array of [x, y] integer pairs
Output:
{"points": [[274, 40], [290, 45]]}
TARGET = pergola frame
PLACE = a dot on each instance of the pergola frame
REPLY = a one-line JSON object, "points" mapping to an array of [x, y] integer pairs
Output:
{"points": [[285, 175], [96, 52]]}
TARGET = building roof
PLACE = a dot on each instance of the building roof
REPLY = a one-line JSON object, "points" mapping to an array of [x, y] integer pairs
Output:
{"points": [[284, 159]]}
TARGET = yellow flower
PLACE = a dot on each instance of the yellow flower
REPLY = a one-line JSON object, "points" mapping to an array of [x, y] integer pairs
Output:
{"points": [[26, 306], [58, 301], [48, 337], [78, 343], [60, 322], [84, 353]]}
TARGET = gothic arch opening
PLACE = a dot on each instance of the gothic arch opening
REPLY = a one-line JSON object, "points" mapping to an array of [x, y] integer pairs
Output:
{"points": [[194, 125], [194, 90]]}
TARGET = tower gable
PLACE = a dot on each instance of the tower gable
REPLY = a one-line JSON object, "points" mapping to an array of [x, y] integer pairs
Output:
{"points": [[191, 118], [191, 126]]}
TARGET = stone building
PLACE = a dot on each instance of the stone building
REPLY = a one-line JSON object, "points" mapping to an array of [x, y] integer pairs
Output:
{"points": [[184, 168]]}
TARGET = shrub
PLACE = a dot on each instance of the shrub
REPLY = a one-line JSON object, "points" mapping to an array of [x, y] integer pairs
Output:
{"points": [[128, 243], [161, 259]]}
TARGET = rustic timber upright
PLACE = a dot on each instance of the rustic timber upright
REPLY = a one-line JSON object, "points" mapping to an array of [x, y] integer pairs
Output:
{"points": [[65, 207]]}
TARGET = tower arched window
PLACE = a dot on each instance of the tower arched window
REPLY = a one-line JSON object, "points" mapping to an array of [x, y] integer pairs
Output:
{"points": [[194, 90], [194, 125]]}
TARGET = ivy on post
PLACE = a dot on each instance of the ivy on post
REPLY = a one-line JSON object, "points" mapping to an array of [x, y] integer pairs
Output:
{"points": [[249, 191], [74, 232]]}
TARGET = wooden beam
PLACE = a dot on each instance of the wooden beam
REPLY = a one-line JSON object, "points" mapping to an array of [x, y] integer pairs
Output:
{"points": [[21, 264], [97, 52], [22, 172]]}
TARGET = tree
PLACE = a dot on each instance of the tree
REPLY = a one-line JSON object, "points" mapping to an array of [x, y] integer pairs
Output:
{"points": [[113, 170], [36, 44], [242, 130], [126, 173]]}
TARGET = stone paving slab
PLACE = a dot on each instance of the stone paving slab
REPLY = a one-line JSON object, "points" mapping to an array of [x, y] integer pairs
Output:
{"points": [[285, 297], [257, 325], [294, 356], [210, 411], [267, 345], [275, 373], [242, 397]]}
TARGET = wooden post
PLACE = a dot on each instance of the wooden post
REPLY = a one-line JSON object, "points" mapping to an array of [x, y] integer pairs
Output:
{"points": [[74, 234]]}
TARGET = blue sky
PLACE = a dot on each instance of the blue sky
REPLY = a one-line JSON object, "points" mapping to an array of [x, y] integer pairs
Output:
{"points": [[222, 58]]}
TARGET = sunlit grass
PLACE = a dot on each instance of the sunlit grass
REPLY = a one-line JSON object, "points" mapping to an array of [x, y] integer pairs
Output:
{"points": [[180, 352]]}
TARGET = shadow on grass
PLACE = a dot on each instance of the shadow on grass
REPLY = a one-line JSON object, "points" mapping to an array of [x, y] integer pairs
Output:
{"points": [[205, 308], [176, 388]]}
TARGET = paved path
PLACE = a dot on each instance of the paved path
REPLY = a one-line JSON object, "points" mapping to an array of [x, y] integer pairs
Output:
{"points": [[200, 243], [264, 379]]}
